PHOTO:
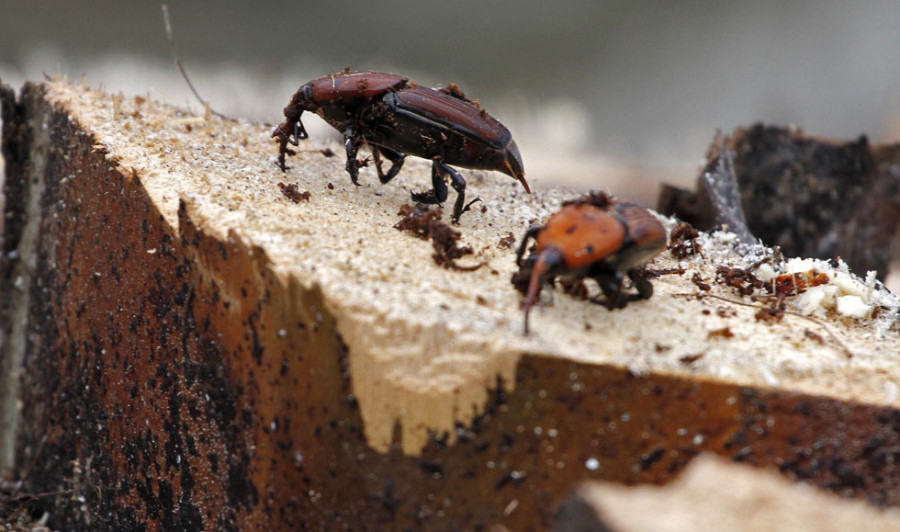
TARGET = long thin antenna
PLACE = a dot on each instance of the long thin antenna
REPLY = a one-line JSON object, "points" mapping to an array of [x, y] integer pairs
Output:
{"points": [[170, 37]]}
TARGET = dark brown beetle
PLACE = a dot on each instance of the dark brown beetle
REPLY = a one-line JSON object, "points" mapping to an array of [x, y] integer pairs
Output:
{"points": [[398, 118], [596, 237]]}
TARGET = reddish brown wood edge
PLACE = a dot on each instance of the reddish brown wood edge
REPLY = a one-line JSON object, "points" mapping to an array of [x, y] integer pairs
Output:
{"points": [[187, 388]]}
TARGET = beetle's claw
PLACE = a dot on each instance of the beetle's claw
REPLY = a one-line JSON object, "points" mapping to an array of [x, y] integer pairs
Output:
{"points": [[469, 205], [465, 209]]}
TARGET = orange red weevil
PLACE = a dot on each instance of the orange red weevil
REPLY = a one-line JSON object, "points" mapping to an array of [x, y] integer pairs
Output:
{"points": [[596, 237]]}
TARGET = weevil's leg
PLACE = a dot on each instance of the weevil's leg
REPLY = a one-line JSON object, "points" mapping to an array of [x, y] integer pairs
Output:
{"points": [[396, 159], [613, 288], [294, 138], [283, 138], [376, 156], [283, 151], [530, 233], [468, 206], [353, 141], [299, 133], [459, 185], [438, 194], [644, 288], [611, 284], [286, 135]]}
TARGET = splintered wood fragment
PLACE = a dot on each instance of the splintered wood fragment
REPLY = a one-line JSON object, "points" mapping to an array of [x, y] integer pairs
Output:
{"points": [[716, 205], [186, 347], [712, 495]]}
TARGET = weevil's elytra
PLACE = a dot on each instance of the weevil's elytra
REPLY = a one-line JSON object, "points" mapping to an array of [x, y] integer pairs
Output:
{"points": [[576, 228], [396, 118], [596, 237], [454, 114]]}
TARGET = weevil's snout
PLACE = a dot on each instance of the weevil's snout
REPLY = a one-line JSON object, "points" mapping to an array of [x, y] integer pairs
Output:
{"points": [[548, 262], [512, 163]]}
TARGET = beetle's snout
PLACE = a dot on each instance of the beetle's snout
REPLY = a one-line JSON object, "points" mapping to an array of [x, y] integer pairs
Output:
{"points": [[547, 264], [512, 160]]}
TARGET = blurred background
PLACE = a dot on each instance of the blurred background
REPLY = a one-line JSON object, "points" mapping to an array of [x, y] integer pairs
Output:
{"points": [[618, 94]]}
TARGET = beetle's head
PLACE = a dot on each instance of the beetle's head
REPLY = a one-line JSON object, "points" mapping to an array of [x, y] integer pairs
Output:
{"points": [[507, 160], [511, 164], [549, 262], [292, 130]]}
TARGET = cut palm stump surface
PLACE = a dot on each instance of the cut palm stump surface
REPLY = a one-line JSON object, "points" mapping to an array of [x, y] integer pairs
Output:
{"points": [[187, 343]]}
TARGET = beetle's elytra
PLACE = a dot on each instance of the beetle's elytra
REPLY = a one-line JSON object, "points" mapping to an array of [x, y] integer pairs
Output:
{"points": [[596, 237], [397, 118]]}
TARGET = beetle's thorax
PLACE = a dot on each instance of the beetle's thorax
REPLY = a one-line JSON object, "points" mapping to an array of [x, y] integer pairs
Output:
{"points": [[342, 98], [583, 234]]}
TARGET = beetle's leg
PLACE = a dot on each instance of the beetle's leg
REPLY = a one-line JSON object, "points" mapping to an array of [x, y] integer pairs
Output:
{"points": [[469, 206], [376, 156], [285, 135], [611, 285], [353, 141], [283, 151], [644, 288], [438, 194], [458, 184], [283, 138], [396, 159], [530, 233], [299, 133], [613, 288]]}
